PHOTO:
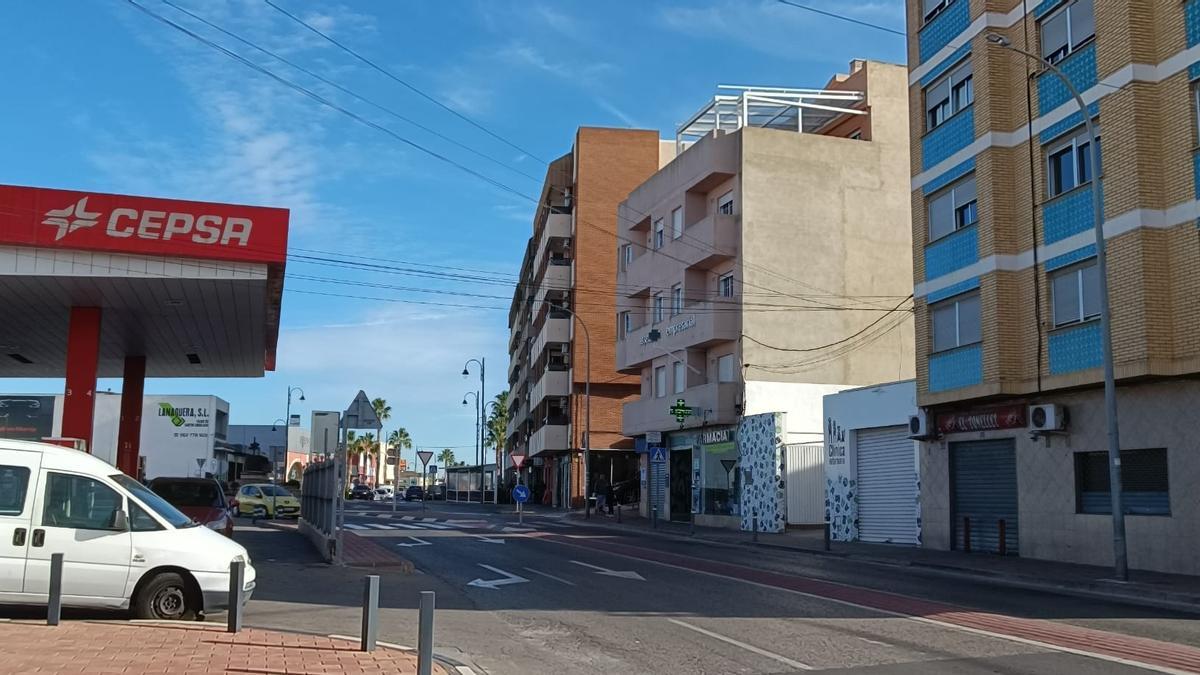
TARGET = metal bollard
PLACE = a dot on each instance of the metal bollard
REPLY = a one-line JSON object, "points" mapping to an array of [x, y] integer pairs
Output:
{"points": [[966, 534], [654, 517], [425, 634], [827, 535], [237, 578], [54, 606], [754, 524], [370, 614], [1003, 543], [618, 512]]}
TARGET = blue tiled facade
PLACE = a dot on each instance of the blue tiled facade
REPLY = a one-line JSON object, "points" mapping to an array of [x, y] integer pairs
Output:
{"points": [[1195, 172], [1075, 348], [942, 29], [1191, 15], [1067, 124], [956, 369], [955, 134], [1079, 254], [941, 68], [952, 290], [1068, 214], [1080, 69], [1045, 6], [952, 252], [949, 177]]}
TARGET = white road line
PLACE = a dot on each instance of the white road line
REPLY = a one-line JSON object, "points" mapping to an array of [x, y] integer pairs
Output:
{"points": [[384, 515], [550, 576], [874, 642], [465, 670], [435, 526], [352, 526], [934, 622], [750, 648]]}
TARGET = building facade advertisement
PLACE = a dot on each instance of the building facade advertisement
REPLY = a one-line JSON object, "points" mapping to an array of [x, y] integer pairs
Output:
{"points": [[177, 432], [841, 484], [986, 419], [28, 418]]}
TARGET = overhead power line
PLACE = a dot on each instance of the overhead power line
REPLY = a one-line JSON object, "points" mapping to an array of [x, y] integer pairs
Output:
{"points": [[843, 17], [832, 344]]}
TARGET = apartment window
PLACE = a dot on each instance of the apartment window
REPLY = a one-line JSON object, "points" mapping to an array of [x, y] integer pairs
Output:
{"points": [[626, 323], [1067, 29], [677, 223], [658, 307], [1196, 107], [660, 381], [725, 203], [952, 209], [1144, 482], [933, 7], [658, 234], [680, 376], [626, 256], [956, 322], [948, 96], [725, 368], [725, 286], [1076, 294], [1069, 164], [676, 300]]}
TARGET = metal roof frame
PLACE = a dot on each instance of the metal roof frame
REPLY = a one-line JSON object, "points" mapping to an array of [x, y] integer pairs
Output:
{"points": [[799, 110]]}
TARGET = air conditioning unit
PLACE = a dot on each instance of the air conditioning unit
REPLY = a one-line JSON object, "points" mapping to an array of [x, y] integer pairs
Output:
{"points": [[1048, 417], [920, 426]]}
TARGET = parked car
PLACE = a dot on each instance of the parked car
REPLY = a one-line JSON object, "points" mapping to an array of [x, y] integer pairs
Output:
{"points": [[264, 500], [435, 492], [123, 546], [200, 498], [360, 492], [384, 493], [414, 492]]}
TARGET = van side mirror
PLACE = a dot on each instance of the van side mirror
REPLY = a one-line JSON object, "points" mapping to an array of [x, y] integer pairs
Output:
{"points": [[120, 521]]}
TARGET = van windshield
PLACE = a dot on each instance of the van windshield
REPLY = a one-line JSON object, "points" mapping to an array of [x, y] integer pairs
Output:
{"points": [[157, 504]]}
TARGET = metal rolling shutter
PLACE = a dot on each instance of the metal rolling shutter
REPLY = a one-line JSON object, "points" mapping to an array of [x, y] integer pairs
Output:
{"points": [[887, 486], [984, 479], [658, 489]]}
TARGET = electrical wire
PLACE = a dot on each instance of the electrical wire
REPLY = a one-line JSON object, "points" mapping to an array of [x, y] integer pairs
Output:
{"points": [[842, 17], [832, 344]]}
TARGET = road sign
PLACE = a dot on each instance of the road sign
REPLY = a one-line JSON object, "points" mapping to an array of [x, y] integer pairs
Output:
{"points": [[658, 455], [432, 468], [520, 494], [361, 414], [681, 411], [425, 456], [517, 460], [654, 437]]}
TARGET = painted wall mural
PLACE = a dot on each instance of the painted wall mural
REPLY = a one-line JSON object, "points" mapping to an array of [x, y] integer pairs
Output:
{"points": [[761, 453], [841, 484]]}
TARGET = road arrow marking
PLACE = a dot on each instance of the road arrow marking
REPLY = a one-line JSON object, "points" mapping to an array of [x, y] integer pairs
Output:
{"points": [[416, 542], [496, 583], [629, 574], [489, 540]]}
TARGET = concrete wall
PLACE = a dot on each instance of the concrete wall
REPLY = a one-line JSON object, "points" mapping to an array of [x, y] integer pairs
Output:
{"points": [[802, 403], [1160, 415], [833, 214]]}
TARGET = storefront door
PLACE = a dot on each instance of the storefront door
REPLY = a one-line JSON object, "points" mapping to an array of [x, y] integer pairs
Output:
{"points": [[681, 484], [983, 478]]}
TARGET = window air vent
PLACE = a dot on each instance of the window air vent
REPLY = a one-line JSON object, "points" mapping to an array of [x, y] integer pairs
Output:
{"points": [[193, 359], [19, 359]]}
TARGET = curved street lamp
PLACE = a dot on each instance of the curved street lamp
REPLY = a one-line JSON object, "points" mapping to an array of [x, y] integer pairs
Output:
{"points": [[478, 440], [1120, 558]]}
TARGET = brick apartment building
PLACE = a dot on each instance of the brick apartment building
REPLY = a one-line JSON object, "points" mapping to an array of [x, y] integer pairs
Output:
{"points": [[1007, 296], [563, 304]]}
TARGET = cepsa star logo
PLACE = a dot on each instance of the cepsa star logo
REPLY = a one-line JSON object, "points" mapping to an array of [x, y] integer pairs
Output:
{"points": [[154, 225]]}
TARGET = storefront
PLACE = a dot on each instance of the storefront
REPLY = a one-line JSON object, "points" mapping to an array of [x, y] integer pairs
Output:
{"points": [[702, 476]]}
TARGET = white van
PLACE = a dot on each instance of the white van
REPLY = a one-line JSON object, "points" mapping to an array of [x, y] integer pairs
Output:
{"points": [[123, 546]]}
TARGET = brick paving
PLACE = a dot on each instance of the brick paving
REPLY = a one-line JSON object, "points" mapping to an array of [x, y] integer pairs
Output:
{"points": [[102, 647], [362, 552]]}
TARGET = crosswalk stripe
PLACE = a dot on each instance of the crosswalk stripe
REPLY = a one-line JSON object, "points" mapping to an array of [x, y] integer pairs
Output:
{"points": [[379, 526], [352, 526], [435, 526]]}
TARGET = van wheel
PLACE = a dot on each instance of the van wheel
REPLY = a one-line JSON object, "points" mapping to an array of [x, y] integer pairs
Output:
{"points": [[166, 596]]}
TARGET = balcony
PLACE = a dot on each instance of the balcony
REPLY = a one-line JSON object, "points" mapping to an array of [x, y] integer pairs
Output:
{"points": [[717, 403], [638, 275], [557, 277], [700, 324], [558, 226], [551, 383], [553, 330], [708, 242], [551, 437]]}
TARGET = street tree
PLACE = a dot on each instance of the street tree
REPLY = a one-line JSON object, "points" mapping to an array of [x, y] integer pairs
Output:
{"points": [[497, 424], [446, 457]]}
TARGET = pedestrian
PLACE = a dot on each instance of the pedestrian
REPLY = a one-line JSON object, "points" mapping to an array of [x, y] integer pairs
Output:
{"points": [[600, 487], [611, 498]]}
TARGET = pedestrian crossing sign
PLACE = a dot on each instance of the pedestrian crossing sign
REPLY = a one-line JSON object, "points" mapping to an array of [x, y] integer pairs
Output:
{"points": [[658, 455]]}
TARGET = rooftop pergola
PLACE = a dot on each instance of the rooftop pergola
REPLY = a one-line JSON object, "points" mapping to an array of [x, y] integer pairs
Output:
{"points": [[799, 110]]}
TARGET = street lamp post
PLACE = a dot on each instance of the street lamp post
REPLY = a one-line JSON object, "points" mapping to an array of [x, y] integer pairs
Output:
{"points": [[287, 435], [478, 450], [466, 372], [1120, 559], [275, 463]]}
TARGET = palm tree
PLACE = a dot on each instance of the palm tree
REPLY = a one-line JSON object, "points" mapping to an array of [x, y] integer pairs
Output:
{"points": [[446, 457], [399, 440], [383, 411], [369, 447], [497, 423]]}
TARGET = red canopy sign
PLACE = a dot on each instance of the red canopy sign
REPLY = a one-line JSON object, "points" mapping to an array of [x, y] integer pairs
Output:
{"points": [[1003, 417], [517, 460], [93, 221]]}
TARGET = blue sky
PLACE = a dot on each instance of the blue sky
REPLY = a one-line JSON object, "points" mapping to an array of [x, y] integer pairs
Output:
{"points": [[99, 96]]}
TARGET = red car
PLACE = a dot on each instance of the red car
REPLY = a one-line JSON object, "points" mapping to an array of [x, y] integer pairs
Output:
{"points": [[200, 498]]}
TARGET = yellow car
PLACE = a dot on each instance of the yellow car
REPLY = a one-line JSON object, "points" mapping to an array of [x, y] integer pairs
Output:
{"points": [[263, 500]]}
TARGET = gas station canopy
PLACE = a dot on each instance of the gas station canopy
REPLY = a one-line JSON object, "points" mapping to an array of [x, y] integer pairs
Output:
{"points": [[195, 288]]}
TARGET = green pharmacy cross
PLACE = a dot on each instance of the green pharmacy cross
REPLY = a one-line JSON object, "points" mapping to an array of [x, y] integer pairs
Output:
{"points": [[681, 411]]}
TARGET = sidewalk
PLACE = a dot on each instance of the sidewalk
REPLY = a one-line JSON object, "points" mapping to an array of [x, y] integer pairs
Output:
{"points": [[97, 647], [1151, 589]]}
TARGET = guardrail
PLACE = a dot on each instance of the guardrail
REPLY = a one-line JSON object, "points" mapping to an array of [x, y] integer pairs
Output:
{"points": [[318, 506]]}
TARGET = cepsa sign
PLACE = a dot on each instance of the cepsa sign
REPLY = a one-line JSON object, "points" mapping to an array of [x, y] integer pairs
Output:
{"points": [[141, 225]]}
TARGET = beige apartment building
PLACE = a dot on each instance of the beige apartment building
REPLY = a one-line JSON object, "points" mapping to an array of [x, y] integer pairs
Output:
{"points": [[759, 271], [561, 334]]}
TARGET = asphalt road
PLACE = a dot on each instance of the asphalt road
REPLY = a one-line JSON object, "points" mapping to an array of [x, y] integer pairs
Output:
{"points": [[555, 596]]}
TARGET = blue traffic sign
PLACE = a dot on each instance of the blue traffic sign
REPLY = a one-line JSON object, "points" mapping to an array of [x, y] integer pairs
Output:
{"points": [[658, 455], [520, 494]]}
